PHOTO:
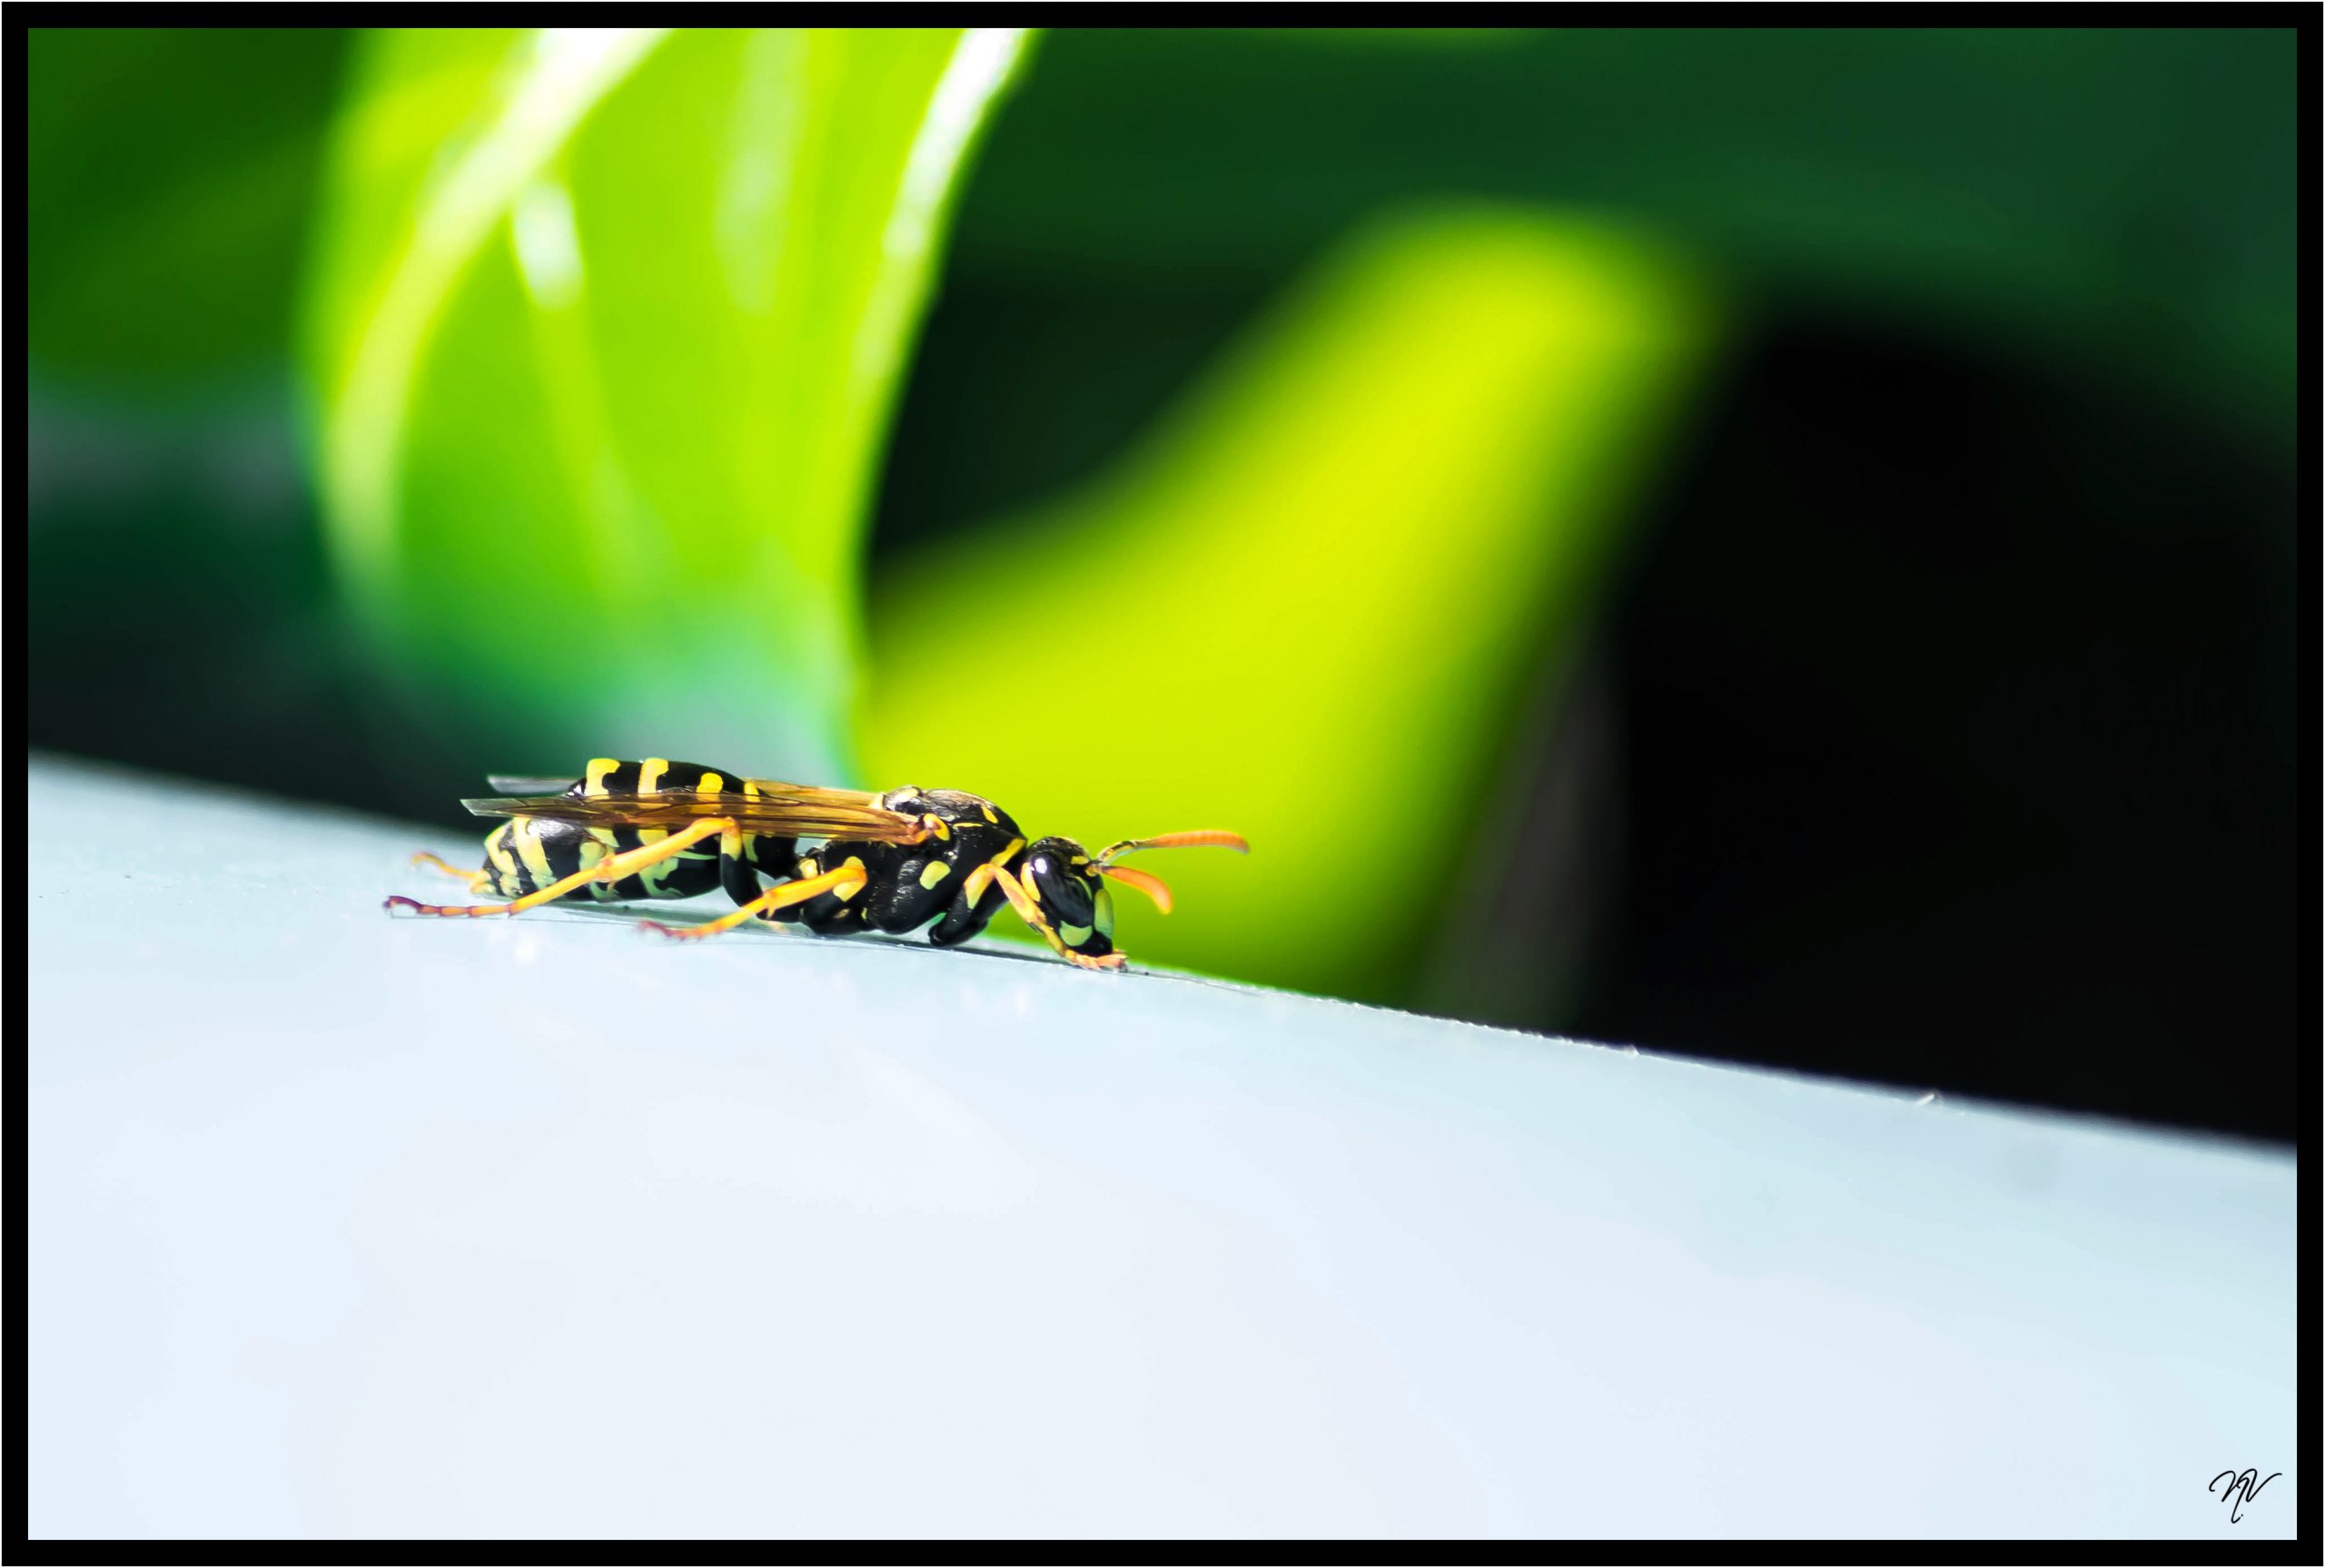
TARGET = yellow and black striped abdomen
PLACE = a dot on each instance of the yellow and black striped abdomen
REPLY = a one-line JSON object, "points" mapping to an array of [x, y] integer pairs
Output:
{"points": [[525, 854]]}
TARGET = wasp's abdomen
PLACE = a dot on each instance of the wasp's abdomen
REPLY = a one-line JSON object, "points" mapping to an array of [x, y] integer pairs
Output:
{"points": [[525, 854]]}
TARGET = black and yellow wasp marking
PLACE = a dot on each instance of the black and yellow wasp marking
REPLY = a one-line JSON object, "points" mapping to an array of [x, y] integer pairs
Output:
{"points": [[892, 862]]}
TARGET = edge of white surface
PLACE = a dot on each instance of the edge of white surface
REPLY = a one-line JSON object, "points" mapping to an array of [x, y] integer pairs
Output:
{"points": [[1240, 1273]]}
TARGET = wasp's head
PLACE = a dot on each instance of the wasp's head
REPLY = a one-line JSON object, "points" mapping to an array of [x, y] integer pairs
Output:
{"points": [[1064, 879], [1065, 884]]}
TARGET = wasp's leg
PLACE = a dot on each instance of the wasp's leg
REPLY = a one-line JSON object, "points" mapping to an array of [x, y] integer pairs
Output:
{"points": [[612, 869], [741, 858], [736, 875], [828, 916], [977, 900], [477, 880], [781, 896], [841, 911], [1031, 913]]}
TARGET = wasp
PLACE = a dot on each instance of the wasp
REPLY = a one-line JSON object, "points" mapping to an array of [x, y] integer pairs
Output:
{"points": [[890, 862]]}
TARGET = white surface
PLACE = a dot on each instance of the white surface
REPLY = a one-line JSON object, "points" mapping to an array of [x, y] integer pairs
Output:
{"points": [[342, 1224]]}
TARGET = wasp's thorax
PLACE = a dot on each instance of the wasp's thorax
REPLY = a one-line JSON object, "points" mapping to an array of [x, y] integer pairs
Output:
{"points": [[906, 885]]}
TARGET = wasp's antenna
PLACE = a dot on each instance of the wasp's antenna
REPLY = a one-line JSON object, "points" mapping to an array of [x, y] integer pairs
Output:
{"points": [[1234, 840], [1146, 881]]}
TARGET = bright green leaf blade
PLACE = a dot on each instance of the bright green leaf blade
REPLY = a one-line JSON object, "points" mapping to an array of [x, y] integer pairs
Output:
{"points": [[1303, 611], [605, 325]]}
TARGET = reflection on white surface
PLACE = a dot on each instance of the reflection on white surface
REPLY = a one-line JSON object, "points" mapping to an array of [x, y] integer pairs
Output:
{"points": [[345, 1225]]}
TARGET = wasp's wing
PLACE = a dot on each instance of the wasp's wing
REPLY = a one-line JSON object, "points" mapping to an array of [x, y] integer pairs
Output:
{"points": [[529, 783], [791, 811]]}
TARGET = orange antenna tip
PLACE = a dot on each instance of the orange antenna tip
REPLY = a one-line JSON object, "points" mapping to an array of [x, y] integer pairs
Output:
{"points": [[1147, 882]]}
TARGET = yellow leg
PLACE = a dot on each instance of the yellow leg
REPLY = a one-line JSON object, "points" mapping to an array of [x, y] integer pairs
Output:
{"points": [[982, 877], [783, 895], [477, 880], [1031, 913], [610, 870]]}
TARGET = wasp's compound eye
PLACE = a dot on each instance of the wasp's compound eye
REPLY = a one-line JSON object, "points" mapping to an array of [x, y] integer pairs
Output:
{"points": [[1064, 892]]}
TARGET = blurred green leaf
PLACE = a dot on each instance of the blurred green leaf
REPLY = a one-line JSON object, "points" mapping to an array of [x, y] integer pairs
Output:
{"points": [[168, 173], [604, 327], [2120, 201], [1304, 607]]}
